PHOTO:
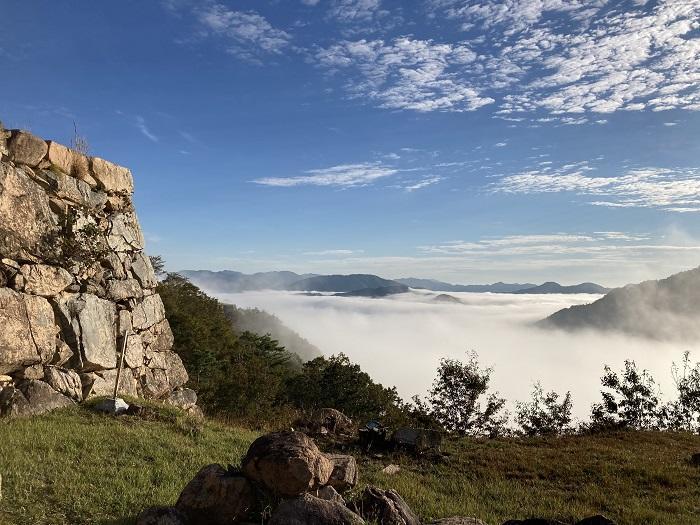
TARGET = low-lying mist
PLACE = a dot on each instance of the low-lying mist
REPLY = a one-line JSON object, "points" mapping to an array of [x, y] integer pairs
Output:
{"points": [[400, 340]]}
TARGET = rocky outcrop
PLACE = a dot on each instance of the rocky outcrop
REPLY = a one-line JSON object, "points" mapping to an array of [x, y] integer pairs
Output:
{"points": [[74, 280], [384, 506], [344, 474]]}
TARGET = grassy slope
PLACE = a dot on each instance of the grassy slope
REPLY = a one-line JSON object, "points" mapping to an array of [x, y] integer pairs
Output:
{"points": [[74, 467]]}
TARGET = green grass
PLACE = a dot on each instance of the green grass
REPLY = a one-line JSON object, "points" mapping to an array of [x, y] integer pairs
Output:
{"points": [[76, 467]]}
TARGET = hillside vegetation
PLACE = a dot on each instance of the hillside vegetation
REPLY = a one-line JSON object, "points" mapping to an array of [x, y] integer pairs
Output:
{"points": [[82, 468], [666, 309]]}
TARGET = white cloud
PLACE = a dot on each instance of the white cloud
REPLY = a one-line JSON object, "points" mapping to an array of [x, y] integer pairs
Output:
{"points": [[143, 128], [354, 10], [428, 181], [676, 190], [345, 175], [420, 75], [560, 56], [247, 34], [334, 252]]}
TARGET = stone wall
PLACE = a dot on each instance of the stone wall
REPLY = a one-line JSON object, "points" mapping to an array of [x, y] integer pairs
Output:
{"points": [[74, 280]]}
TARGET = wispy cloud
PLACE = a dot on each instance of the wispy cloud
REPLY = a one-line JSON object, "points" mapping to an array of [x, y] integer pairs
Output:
{"points": [[247, 34], [143, 128], [428, 181], [344, 176], [323, 253], [676, 190]]}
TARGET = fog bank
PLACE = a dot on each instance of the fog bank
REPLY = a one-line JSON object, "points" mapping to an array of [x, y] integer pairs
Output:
{"points": [[400, 340]]}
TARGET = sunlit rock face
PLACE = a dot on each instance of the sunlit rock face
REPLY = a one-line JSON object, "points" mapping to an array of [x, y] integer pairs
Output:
{"points": [[74, 281]]}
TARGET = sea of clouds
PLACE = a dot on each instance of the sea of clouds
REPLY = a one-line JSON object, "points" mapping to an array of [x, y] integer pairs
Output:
{"points": [[400, 340]]}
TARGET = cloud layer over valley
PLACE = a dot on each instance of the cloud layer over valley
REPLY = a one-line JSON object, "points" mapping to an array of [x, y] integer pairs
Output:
{"points": [[400, 341]]}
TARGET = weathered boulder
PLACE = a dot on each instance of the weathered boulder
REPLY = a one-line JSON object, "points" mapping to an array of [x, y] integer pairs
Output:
{"points": [[154, 383], [25, 148], [161, 516], [134, 351], [113, 178], [383, 506], [76, 191], [42, 398], [216, 496], [102, 383], [45, 280], [330, 494], [31, 372], [310, 510], [183, 398], [175, 371], [147, 312], [159, 337], [124, 233], [344, 475], [142, 269], [65, 381], [27, 330], [330, 421], [90, 323], [62, 355], [123, 290], [458, 520], [288, 463], [26, 219]]}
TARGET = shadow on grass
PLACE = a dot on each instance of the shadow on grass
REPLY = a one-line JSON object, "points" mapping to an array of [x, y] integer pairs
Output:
{"points": [[129, 520]]}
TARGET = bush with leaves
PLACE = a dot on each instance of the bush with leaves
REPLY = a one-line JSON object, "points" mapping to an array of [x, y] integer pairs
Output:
{"points": [[545, 414], [683, 413], [336, 382], [631, 400], [460, 402]]}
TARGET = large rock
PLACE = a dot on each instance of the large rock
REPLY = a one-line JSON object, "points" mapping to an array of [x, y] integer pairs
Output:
{"points": [[147, 312], [27, 331], [113, 178], [122, 290], [330, 421], [288, 463], [142, 269], [216, 497], [310, 510], [159, 337], [417, 439], [42, 398], [124, 234], [74, 190], [384, 506], [25, 148], [344, 475], [183, 398], [26, 219], [45, 280], [102, 383], [161, 516], [134, 351], [64, 381], [175, 370], [90, 324], [70, 162]]}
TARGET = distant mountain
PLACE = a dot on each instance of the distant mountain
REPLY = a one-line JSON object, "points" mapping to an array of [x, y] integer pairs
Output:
{"points": [[382, 291], [439, 286], [263, 323], [227, 281], [445, 298], [341, 283], [552, 287], [668, 309]]}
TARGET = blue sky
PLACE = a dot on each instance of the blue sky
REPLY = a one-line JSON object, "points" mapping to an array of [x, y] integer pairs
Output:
{"points": [[519, 140]]}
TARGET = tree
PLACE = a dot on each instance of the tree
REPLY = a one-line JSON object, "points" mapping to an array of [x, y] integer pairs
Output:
{"points": [[545, 414], [684, 412], [460, 402], [630, 401], [336, 382]]}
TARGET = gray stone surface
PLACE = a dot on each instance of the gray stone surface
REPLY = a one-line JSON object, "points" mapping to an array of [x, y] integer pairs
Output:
{"points": [[113, 178], [183, 398], [25, 148], [310, 510], [42, 398], [147, 312], [28, 334], [344, 475], [64, 381], [45, 280]]}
